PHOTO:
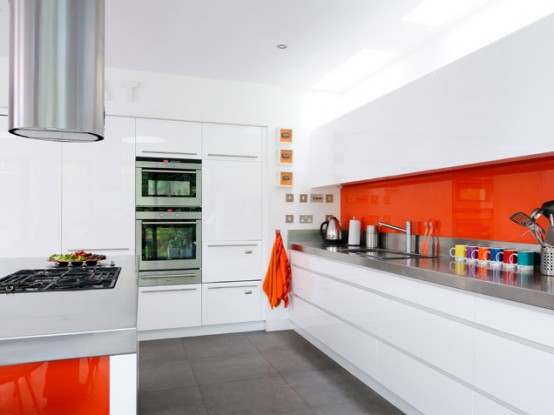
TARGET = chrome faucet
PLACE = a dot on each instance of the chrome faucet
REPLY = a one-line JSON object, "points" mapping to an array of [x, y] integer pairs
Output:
{"points": [[407, 231]]}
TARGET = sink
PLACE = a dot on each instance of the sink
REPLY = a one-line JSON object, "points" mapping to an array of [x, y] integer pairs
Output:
{"points": [[379, 253]]}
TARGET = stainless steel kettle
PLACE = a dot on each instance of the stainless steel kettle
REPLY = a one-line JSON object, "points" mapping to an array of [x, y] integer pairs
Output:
{"points": [[331, 231]]}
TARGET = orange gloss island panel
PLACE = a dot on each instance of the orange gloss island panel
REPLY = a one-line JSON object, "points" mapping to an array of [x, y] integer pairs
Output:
{"points": [[62, 387], [473, 202]]}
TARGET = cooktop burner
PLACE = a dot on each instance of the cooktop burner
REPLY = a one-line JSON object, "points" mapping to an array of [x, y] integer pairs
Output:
{"points": [[60, 279]]}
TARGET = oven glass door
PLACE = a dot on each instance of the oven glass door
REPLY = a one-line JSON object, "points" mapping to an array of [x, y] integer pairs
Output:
{"points": [[169, 244], [166, 187]]}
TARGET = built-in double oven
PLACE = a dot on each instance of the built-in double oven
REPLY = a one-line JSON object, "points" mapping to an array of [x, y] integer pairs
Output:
{"points": [[169, 221]]}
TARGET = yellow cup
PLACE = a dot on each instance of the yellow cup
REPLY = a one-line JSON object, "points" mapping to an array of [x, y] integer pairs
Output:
{"points": [[458, 252]]}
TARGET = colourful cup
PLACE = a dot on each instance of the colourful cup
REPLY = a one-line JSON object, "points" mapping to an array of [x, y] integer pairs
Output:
{"points": [[525, 260], [458, 252], [510, 258], [483, 255], [496, 257], [471, 253]]}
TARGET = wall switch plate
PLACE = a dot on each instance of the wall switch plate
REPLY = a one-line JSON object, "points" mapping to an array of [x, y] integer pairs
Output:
{"points": [[328, 217], [289, 197], [306, 218], [329, 198], [303, 198], [289, 218], [316, 198]]}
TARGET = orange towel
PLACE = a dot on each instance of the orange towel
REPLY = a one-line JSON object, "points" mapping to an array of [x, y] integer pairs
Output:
{"points": [[277, 279]]}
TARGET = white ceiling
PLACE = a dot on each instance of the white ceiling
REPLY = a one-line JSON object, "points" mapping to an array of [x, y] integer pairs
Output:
{"points": [[236, 39]]}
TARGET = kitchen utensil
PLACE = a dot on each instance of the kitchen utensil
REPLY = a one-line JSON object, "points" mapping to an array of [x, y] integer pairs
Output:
{"points": [[549, 237], [535, 214], [527, 221], [552, 219], [521, 219], [332, 233], [547, 260], [425, 242], [548, 207]]}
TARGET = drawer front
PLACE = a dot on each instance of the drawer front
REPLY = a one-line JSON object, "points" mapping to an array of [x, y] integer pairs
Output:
{"points": [[231, 261], [237, 302], [169, 306]]}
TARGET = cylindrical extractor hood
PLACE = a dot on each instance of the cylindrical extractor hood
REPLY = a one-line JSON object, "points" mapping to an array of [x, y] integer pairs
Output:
{"points": [[57, 69]]}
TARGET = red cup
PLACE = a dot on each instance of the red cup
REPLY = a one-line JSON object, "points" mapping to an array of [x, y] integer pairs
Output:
{"points": [[510, 258]]}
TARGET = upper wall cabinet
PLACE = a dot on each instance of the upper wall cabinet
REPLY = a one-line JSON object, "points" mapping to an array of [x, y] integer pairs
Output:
{"points": [[494, 104], [225, 142], [168, 139], [98, 202], [30, 183]]}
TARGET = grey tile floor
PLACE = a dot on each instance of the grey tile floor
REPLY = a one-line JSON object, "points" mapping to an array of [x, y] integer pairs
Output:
{"points": [[248, 374]]}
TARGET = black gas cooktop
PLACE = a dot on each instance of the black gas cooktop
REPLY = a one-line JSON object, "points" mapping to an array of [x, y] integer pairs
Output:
{"points": [[59, 279]]}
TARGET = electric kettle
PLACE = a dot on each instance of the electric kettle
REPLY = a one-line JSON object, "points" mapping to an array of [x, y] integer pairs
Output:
{"points": [[331, 232]]}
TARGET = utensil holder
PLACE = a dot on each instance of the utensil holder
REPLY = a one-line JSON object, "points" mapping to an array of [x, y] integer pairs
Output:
{"points": [[547, 260]]}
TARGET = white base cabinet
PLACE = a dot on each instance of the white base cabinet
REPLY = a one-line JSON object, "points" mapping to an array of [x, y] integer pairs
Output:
{"points": [[235, 302], [438, 349], [231, 261], [169, 306]]}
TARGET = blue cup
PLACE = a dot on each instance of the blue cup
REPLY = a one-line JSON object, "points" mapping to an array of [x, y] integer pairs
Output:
{"points": [[497, 256]]}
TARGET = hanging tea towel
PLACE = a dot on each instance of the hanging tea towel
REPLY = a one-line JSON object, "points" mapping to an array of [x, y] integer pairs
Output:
{"points": [[277, 279]]}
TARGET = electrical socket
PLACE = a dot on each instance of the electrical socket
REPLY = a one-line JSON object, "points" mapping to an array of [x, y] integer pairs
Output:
{"points": [[329, 198], [289, 218], [316, 198], [289, 198], [306, 219], [303, 198]]}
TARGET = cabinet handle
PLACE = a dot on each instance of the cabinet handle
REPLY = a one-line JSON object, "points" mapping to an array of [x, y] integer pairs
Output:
{"points": [[170, 223], [235, 286], [248, 292], [153, 277], [247, 252], [168, 171], [232, 155], [169, 152], [98, 249], [229, 245], [169, 290]]}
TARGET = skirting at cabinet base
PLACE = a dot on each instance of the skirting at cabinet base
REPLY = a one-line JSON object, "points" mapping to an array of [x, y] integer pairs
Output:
{"points": [[200, 330]]}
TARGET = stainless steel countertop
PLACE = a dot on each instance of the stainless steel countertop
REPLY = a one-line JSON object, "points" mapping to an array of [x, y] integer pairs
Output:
{"points": [[530, 288], [69, 324]]}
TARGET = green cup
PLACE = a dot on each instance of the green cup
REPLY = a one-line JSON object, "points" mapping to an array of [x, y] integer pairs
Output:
{"points": [[525, 260]]}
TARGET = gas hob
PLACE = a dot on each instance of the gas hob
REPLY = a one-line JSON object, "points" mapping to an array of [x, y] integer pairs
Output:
{"points": [[60, 279]]}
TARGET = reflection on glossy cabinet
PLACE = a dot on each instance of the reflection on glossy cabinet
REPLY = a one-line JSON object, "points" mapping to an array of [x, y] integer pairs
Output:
{"points": [[30, 185], [98, 199], [235, 302], [231, 200], [168, 139], [169, 307]]}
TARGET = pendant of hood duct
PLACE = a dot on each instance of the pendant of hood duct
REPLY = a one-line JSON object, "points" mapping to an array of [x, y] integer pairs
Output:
{"points": [[57, 70]]}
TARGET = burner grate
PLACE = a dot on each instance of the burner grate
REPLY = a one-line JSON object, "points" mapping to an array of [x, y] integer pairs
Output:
{"points": [[60, 279]]}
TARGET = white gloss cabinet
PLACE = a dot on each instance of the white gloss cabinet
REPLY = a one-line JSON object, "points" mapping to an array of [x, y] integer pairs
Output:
{"points": [[493, 104], [239, 142], [169, 307], [30, 184], [438, 349], [235, 302], [168, 139], [231, 261], [98, 198], [231, 200]]}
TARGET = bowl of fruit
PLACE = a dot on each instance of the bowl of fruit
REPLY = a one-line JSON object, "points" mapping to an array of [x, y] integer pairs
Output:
{"points": [[76, 259]]}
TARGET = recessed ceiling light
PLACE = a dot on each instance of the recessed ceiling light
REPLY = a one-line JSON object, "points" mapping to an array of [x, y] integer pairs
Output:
{"points": [[282, 46], [437, 13], [354, 70]]}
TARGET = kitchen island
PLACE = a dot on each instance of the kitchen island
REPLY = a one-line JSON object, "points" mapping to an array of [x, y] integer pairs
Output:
{"points": [[52, 340], [430, 335]]}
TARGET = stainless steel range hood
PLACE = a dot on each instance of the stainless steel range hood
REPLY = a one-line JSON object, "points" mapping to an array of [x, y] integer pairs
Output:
{"points": [[57, 69]]}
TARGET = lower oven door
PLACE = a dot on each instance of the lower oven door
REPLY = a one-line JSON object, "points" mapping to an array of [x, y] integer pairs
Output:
{"points": [[169, 244]]}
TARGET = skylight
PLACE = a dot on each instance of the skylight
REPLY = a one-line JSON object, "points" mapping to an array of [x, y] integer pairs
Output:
{"points": [[354, 70], [437, 13]]}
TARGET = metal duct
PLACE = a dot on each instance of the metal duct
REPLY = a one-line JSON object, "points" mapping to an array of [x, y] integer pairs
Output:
{"points": [[57, 69]]}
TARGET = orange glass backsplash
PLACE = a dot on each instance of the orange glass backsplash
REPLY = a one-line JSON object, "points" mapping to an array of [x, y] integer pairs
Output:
{"points": [[472, 203]]}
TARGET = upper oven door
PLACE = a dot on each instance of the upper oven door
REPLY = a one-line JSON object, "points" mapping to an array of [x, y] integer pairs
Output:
{"points": [[169, 244], [168, 184]]}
